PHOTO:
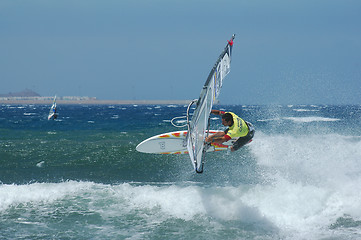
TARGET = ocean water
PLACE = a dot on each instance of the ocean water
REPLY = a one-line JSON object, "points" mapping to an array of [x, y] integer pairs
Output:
{"points": [[79, 177]]}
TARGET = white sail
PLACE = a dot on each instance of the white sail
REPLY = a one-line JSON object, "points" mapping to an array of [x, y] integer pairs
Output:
{"points": [[198, 126], [52, 113]]}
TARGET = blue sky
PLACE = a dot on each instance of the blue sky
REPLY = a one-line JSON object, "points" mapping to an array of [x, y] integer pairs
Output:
{"points": [[285, 51]]}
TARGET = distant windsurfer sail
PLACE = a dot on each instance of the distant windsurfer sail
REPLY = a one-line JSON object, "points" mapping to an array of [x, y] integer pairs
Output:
{"points": [[198, 126], [53, 113]]}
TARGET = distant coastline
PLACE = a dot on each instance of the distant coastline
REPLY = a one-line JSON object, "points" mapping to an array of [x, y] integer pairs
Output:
{"points": [[10, 101], [28, 96]]}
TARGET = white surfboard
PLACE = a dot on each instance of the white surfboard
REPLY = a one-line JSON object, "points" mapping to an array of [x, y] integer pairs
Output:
{"points": [[174, 143]]}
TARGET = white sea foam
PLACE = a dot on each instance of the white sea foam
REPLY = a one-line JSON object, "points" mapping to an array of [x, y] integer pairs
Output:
{"points": [[311, 119], [309, 182], [297, 210], [40, 164], [301, 119], [312, 181], [305, 110], [13, 195]]}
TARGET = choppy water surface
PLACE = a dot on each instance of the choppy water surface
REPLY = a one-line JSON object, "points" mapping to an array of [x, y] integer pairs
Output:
{"points": [[79, 177]]}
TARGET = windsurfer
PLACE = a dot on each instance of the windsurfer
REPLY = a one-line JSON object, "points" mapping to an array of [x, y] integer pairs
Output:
{"points": [[237, 127], [55, 113]]}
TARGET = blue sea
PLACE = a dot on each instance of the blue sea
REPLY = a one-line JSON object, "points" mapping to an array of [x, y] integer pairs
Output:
{"points": [[80, 177]]}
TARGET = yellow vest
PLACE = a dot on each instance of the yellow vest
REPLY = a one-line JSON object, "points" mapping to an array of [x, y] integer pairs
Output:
{"points": [[239, 127]]}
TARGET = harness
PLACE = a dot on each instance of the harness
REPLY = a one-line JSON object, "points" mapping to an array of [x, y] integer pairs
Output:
{"points": [[239, 128]]}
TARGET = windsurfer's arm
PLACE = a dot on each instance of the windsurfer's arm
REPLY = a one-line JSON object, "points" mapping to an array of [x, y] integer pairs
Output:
{"points": [[218, 137], [219, 140], [217, 112]]}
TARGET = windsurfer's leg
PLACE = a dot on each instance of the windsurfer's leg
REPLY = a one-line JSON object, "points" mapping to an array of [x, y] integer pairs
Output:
{"points": [[242, 141]]}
